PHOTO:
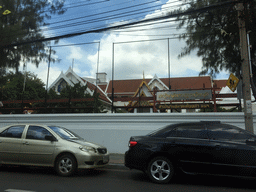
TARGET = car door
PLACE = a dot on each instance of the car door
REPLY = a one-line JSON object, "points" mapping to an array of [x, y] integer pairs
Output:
{"points": [[191, 146], [10, 144], [232, 154], [36, 149]]}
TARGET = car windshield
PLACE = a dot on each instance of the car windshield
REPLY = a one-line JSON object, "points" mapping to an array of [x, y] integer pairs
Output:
{"points": [[65, 133], [160, 131]]}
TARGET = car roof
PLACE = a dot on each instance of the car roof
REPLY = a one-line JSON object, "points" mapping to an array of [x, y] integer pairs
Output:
{"points": [[198, 123]]}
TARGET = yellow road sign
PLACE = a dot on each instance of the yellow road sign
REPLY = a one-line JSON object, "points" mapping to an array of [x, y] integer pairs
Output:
{"points": [[232, 82], [6, 12]]}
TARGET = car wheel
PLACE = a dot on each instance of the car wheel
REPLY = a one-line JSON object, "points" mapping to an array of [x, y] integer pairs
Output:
{"points": [[65, 165], [160, 170]]}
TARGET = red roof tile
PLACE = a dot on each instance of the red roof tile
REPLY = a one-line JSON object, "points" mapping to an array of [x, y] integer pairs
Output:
{"points": [[125, 86], [188, 82], [92, 87], [103, 87], [220, 83], [130, 86]]}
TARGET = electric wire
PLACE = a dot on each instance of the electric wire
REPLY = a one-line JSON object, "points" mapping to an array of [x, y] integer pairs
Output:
{"points": [[64, 25], [101, 19], [87, 16], [103, 1], [217, 5], [93, 21], [102, 8]]}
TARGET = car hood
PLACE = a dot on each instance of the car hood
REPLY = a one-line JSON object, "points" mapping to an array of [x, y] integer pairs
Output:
{"points": [[86, 143]]}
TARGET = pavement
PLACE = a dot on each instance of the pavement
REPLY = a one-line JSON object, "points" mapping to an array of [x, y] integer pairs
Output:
{"points": [[116, 161]]}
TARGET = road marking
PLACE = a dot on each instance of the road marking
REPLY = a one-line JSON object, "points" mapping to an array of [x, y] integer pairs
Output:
{"points": [[17, 190]]}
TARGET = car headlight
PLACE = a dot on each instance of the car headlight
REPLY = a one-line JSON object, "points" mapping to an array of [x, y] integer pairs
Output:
{"points": [[87, 149]]}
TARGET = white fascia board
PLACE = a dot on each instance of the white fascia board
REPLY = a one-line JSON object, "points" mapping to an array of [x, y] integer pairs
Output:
{"points": [[61, 76], [75, 75], [106, 87], [104, 93], [157, 79]]}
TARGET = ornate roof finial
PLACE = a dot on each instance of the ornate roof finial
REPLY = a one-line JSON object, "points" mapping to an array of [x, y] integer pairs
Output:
{"points": [[143, 75]]}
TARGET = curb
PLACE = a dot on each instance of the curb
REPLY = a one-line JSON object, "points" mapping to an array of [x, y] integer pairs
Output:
{"points": [[116, 166]]}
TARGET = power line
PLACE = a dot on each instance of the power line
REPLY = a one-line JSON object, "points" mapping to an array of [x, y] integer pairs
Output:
{"points": [[103, 1], [126, 25], [101, 19], [77, 24], [96, 20], [75, 44], [67, 20], [105, 7]]}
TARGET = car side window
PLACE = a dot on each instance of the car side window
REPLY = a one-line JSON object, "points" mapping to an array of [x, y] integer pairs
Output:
{"points": [[228, 133], [37, 132], [13, 132], [171, 133], [192, 131]]}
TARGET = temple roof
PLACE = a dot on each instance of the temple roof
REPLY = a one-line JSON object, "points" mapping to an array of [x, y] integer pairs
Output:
{"points": [[130, 86]]}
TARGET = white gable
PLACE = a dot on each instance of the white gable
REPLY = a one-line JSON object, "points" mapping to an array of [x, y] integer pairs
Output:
{"points": [[72, 76], [69, 78], [60, 82], [156, 82], [144, 90]]}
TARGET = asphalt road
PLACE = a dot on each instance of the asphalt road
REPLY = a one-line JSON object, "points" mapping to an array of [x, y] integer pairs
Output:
{"points": [[112, 179]]}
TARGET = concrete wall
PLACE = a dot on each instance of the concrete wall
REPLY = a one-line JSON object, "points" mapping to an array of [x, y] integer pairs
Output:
{"points": [[114, 130]]}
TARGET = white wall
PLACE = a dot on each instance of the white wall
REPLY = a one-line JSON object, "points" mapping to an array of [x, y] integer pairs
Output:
{"points": [[114, 130]]}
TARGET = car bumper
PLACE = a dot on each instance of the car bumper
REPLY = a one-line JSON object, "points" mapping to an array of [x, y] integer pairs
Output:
{"points": [[92, 161], [135, 161]]}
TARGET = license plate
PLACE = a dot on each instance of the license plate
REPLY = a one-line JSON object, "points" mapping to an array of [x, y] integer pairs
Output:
{"points": [[105, 159]]}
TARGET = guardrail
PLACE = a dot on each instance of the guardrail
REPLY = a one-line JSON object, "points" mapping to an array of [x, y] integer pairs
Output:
{"points": [[114, 130]]}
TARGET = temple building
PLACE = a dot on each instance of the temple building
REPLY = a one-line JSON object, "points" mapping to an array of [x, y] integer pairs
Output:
{"points": [[71, 78], [139, 95]]}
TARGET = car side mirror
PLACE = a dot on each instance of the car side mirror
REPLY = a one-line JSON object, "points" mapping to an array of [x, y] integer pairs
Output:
{"points": [[50, 138]]}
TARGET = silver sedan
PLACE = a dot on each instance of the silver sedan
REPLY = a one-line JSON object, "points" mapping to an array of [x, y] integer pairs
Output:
{"points": [[52, 146]]}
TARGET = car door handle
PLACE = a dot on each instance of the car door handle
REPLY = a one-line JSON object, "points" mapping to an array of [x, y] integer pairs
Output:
{"points": [[26, 143], [218, 147]]}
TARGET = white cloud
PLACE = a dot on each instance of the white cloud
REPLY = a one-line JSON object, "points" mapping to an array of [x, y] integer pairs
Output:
{"points": [[75, 52], [130, 59], [42, 72]]}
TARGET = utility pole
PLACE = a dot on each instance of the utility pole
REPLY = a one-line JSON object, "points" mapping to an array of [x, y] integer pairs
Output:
{"points": [[245, 69], [46, 88]]}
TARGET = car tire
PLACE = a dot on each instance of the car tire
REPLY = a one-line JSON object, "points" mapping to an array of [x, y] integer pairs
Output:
{"points": [[160, 170], [66, 165]]}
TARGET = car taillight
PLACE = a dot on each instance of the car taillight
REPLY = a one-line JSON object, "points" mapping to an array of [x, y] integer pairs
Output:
{"points": [[132, 143]]}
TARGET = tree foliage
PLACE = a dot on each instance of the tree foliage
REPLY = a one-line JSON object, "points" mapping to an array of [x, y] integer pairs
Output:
{"points": [[214, 34], [24, 24], [13, 87], [93, 105]]}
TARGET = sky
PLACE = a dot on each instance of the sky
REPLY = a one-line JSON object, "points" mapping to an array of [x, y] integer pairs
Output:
{"points": [[135, 50]]}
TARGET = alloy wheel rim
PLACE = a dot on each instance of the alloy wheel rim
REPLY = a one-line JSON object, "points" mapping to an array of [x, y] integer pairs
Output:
{"points": [[65, 165], [160, 170]]}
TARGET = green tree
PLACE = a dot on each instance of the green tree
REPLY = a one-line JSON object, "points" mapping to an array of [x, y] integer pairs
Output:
{"points": [[76, 92], [214, 34], [24, 24], [13, 88]]}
